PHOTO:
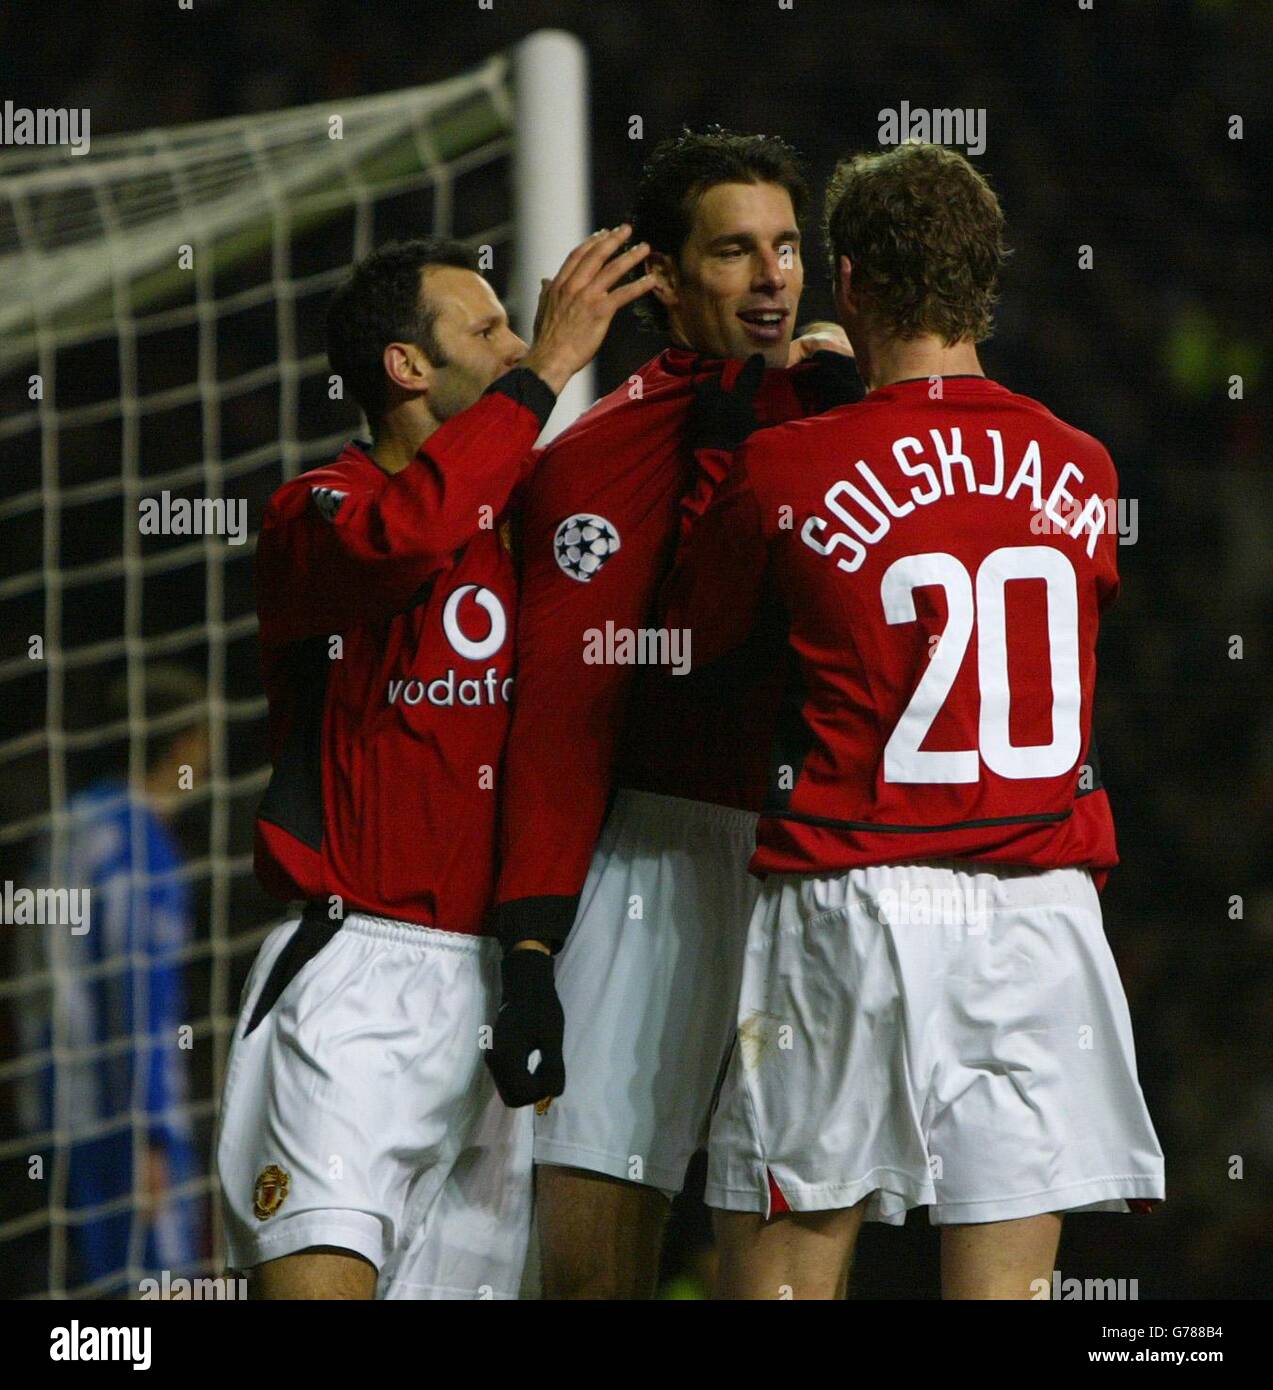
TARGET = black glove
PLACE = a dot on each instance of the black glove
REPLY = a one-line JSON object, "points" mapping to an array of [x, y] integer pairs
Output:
{"points": [[530, 1017], [827, 379], [720, 418]]}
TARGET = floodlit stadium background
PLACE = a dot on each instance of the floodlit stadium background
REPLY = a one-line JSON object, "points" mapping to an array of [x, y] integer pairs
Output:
{"points": [[1104, 130]]}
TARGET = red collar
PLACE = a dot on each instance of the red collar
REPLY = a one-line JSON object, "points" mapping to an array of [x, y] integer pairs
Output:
{"points": [[679, 361]]}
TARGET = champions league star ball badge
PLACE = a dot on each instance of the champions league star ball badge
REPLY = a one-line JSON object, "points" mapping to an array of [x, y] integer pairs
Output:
{"points": [[582, 545]]}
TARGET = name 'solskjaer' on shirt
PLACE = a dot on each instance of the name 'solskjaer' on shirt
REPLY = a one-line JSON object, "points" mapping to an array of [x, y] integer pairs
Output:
{"points": [[868, 508]]}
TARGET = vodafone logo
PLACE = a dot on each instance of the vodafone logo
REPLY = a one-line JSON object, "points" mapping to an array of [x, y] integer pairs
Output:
{"points": [[464, 646], [453, 689]]}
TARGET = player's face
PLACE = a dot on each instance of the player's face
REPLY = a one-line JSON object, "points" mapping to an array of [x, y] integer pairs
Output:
{"points": [[737, 283], [473, 334]]}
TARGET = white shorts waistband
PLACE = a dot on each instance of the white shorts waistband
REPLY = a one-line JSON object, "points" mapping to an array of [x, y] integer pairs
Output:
{"points": [[414, 934], [692, 812]]}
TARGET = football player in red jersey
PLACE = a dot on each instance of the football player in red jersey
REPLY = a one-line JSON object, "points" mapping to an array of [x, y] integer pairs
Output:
{"points": [[929, 1012], [649, 975], [363, 1149]]}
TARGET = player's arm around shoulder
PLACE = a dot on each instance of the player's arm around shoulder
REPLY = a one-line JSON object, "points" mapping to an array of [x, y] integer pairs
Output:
{"points": [[714, 589], [823, 370]]}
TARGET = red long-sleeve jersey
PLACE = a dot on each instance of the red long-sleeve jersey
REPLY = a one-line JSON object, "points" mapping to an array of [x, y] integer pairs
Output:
{"points": [[598, 530], [387, 606], [942, 564]]}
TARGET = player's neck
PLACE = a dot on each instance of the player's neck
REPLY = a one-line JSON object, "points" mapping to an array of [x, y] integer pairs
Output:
{"points": [[887, 360], [401, 436]]}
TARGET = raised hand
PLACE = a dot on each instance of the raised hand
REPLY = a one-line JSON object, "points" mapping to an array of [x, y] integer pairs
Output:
{"points": [[577, 305]]}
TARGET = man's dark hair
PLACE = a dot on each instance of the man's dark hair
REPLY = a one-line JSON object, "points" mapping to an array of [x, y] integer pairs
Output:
{"points": [[380, 303], [682, 169]]}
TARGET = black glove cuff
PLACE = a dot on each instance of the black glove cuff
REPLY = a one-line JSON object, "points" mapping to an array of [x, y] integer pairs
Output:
{"points": [[828, 379], [547, 919]]}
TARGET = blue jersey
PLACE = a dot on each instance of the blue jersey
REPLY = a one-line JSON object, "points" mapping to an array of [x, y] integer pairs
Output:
{"points": [[117, 990]]}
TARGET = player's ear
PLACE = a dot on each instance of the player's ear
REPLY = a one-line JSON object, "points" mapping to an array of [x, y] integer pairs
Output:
{"points": [[844, 283], [663, 268], [407, 367]]}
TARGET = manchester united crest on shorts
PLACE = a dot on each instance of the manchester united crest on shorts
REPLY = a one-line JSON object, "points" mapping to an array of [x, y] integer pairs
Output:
{"points": [[272, 1184], [582, 545]]}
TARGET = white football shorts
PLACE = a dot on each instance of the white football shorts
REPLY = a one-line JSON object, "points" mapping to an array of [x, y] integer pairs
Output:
{"points": [[648, 979], [358, 1111], [954, 1036]]}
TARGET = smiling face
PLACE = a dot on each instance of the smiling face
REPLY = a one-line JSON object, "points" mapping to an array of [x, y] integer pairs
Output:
{"points": [[735, 287]]}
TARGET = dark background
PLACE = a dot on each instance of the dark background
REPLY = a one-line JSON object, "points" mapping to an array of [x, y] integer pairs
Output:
{"points": [[1106, 128]]}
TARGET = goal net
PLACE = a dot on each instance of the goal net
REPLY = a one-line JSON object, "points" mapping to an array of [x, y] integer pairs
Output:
{"points": [[162, 371]]}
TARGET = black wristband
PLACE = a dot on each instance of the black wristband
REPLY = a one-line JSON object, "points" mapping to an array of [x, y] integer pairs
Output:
{"points": [[547, 919], [526, 388]]}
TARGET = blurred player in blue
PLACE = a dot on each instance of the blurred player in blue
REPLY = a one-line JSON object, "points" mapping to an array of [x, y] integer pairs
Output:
{"points": [[115, 1097]]}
